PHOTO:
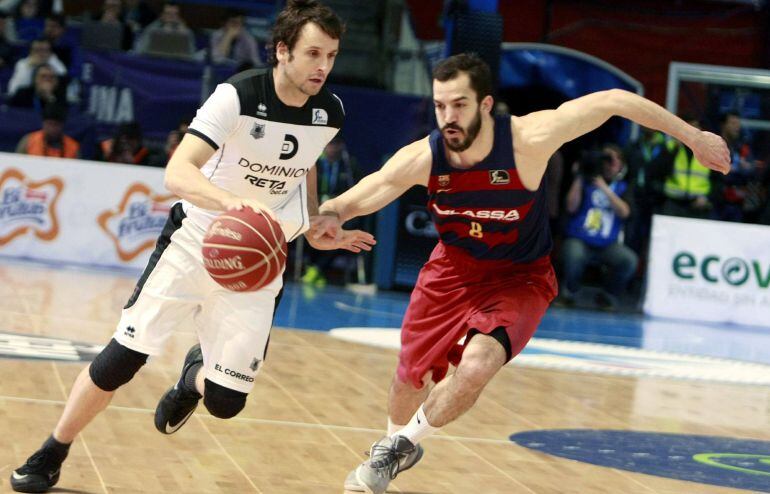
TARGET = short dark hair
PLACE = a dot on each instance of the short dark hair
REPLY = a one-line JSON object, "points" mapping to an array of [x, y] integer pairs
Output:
{"points": [[477, 69], [293, 18]]}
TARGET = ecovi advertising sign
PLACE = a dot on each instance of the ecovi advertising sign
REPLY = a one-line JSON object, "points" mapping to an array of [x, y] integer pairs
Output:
{"points": [[709, 271]]}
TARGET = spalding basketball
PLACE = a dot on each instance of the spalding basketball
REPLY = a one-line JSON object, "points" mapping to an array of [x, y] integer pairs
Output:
{"points": [[244, 250]]}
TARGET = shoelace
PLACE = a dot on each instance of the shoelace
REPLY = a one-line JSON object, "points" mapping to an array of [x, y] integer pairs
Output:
{"points": [[385, 460], [37, 460]]}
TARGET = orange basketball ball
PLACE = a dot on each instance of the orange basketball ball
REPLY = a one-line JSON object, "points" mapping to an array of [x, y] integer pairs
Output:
{"points": [[244, 250]]}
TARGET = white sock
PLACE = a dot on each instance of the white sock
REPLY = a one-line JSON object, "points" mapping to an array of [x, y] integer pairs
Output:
{"points": [[418, 427], [393, 428]]}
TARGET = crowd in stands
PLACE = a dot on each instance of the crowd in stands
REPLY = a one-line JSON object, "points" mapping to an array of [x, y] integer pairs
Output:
{"points": [[608, 208], [40, 64], [601, 206]]}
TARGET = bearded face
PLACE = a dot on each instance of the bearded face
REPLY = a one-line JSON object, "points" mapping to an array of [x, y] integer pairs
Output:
{"points": [[457, 138]]}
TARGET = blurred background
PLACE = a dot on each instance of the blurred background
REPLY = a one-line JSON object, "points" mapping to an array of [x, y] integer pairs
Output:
{"points": [[97, 94]]}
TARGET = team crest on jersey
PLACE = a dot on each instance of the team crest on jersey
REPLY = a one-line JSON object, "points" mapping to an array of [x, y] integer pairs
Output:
{"points": [[138, 220], [499, 177], [258, 132], [262, 110], [27, 206], [443, 180], [320, 117]]}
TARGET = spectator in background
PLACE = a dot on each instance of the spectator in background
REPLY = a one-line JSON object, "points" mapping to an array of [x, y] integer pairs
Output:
{"points": [[597, 203], [138, 14], [233, 43], [170, 20], [336, 174], [55, 28], [173, 138], [50, 140], [46, 89], [40, 52], [29, 21], [688, 184], [649, 162], [6, 49], [112, 13], [127, 146], [730, 190]]}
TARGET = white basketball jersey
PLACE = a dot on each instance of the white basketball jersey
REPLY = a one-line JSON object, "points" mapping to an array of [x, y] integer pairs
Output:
{"points": [[265, 148]]}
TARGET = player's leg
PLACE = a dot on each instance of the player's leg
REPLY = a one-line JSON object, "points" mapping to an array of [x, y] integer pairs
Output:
{"points": [[509, 311], [145, 324], [91, 393], [483, 357], [403, 401], [234, 332]]}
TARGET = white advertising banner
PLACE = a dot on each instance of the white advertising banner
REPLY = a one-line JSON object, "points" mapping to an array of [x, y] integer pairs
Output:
{"points": [[80, 212], [709, 271]]}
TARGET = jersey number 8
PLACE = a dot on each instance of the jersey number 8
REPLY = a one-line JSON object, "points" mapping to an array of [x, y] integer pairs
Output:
{"points": [[475, 230]]}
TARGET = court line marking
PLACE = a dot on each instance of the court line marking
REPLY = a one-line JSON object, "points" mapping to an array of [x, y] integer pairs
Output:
{"points": [[82, 436], [220, 445], [306, 410], [228, 455], [287, 423]]}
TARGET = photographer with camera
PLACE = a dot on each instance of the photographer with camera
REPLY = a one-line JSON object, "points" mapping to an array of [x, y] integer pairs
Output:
{"points": [[598, 208]]}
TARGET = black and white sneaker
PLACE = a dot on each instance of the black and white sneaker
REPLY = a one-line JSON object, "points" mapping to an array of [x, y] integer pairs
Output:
{"points": [[41, 470], [179, 403]]}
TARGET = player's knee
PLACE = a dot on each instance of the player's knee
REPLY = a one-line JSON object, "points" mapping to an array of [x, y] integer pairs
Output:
{"points": [[115, 366], [222, 402], [477, 369]]}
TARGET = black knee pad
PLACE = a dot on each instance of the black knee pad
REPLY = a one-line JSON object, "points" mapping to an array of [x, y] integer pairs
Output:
{"points": [[115, 366], [222, 402]]}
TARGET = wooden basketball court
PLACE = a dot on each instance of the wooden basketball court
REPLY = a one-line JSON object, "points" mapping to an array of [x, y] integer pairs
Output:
{"points": [[317, 406]]}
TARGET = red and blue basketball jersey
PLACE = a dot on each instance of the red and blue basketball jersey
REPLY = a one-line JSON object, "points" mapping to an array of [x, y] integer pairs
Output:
{"points": [[485, 210]]}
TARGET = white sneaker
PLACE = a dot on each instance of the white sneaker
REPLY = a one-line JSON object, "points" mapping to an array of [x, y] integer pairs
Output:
{"points": [[387, 459]]}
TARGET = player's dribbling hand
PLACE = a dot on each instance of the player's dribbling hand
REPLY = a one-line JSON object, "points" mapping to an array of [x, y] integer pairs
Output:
{"points": [[238, 203], [711, 150]]}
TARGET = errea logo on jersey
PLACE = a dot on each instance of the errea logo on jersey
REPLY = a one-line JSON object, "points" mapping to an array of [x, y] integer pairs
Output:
{"points": [[320, 117]]}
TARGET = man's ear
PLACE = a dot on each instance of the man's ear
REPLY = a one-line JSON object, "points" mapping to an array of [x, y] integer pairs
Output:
{"points": [[487, 104], [281, 51]]}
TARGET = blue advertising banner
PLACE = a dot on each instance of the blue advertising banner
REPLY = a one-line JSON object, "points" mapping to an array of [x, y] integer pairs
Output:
{"points": [[156, 92]]}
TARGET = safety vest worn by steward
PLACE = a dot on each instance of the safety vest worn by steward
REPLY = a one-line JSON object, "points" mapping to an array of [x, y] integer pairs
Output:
{"points": [[689, 179], [36, 146]]}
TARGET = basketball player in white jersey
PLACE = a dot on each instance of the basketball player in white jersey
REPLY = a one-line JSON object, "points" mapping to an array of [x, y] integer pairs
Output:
{"points": [[253, 143]]}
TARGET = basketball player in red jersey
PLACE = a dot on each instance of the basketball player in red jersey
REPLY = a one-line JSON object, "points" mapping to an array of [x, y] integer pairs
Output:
{"points": [[489, 279]]}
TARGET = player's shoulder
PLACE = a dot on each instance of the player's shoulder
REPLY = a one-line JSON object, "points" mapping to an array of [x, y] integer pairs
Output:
{"points": [[252, 88], [332, 106]]}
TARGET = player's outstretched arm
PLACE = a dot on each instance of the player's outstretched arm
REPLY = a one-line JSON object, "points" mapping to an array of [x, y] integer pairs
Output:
{"points": [[544, 132], [184, 178], [408, 167]]}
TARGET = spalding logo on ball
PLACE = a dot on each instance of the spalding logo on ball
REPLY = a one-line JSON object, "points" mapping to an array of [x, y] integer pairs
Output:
{"points": [[244, 250]]}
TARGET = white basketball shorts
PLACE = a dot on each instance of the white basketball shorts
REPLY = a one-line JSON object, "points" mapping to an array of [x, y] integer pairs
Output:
{"points": [[233, 327]]}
